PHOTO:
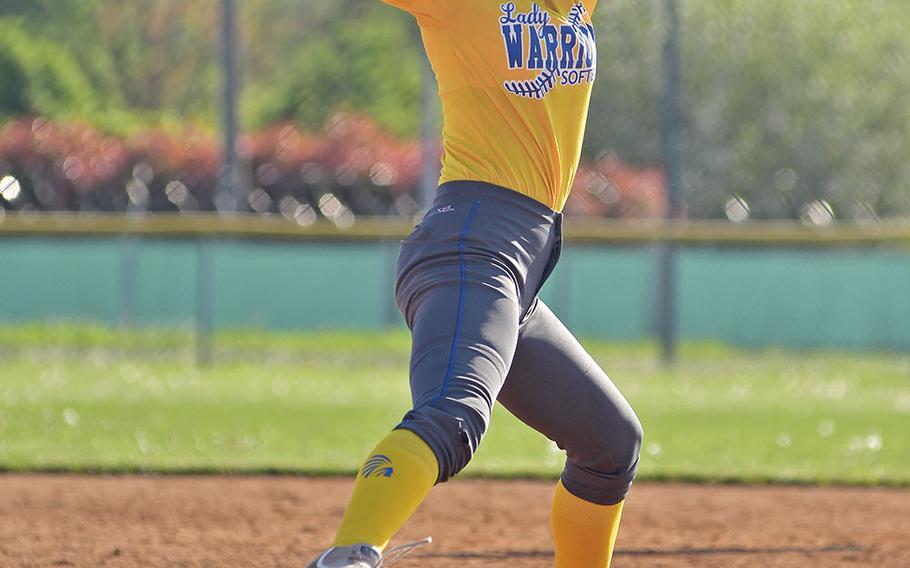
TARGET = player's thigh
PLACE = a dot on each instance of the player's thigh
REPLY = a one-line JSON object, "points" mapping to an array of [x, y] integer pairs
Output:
{"points": [[558, 389], [464, 332]]}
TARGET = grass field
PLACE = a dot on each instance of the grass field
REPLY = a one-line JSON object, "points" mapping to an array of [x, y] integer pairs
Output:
{"points": [[84, 398]]}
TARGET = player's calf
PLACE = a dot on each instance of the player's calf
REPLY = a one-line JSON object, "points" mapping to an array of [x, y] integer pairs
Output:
{"points": [[587, 506]]}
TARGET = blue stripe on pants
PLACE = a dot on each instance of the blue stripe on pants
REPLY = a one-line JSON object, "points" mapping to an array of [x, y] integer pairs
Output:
{"points": [[461, 293]]}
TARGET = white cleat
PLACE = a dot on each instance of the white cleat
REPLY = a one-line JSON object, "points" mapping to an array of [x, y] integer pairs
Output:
{"points": [[356, 556], [364, 555]]}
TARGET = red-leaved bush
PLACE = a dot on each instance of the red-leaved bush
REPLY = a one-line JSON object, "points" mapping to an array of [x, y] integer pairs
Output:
{"points": [[351, 167]]}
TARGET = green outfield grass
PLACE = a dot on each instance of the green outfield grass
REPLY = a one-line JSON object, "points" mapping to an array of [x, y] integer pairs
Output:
{"points": [[77, 398]]}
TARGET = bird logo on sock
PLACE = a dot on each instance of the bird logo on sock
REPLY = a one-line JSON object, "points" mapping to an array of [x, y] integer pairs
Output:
{"points": [[378, 466]]}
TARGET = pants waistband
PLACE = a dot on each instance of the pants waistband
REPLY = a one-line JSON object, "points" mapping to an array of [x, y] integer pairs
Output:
{"points": [[480, 189]]}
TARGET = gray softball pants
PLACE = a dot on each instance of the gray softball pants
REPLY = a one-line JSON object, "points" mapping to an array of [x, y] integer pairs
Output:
{"points": [[467, 284]]}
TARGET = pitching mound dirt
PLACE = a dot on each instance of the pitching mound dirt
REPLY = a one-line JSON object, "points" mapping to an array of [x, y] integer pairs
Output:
{"points": [[280, 521]]}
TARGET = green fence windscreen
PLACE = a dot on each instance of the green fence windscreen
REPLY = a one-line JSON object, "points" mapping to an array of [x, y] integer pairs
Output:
{"points": [[858, 299]]}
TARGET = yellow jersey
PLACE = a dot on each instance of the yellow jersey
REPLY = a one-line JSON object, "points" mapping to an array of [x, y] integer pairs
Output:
{"points": [[515, 82]]}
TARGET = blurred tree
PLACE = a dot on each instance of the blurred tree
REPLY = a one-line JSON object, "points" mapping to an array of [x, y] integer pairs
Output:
{"points": [[801, 102], [40, 77], [625, 116], [72, 27], [308, 59], [785, 103], [164, 53], [792, 108]]}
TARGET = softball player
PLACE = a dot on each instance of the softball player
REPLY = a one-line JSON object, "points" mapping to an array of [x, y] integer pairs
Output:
{"points": [[515, 82]]}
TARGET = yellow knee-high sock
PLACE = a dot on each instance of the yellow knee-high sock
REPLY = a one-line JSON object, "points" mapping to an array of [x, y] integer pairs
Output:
{"points": [[390, 486], [584, 532]]}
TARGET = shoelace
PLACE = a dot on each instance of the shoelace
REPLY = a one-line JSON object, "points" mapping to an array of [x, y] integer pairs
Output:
{"points": [[396, 553]]}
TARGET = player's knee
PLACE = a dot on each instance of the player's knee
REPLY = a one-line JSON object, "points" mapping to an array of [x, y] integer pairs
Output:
{"points": [[617, 453], [627, 445], [602, 469], [615, 447], [451, 429]]}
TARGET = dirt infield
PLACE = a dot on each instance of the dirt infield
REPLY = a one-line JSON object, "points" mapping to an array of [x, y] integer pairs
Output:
{"points": [[281, 521]]}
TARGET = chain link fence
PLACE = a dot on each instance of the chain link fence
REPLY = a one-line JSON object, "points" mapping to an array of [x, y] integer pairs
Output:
{"points": [[787, 110]]}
